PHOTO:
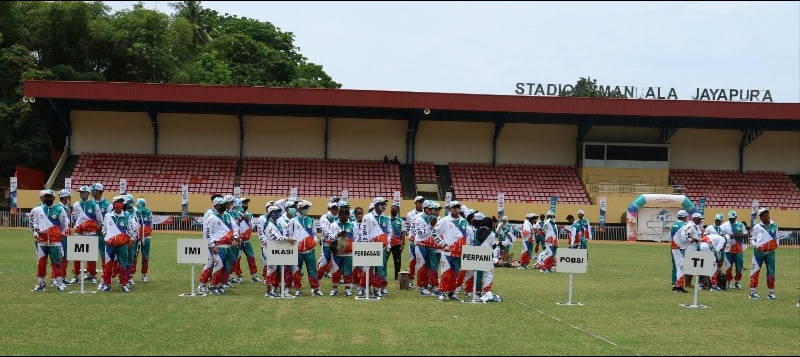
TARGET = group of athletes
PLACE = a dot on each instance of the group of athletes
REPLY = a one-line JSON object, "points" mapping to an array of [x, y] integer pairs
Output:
{"points": [[727, 241], [122, 228]]}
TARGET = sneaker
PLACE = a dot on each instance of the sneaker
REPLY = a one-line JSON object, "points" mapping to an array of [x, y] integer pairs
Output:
{"points": [[125, 289], [93, 280], [221, 289], [101, 286], [377, 293], [737, 286], [61, 287], [105, 288], [227, 284], [40, 287], [334, 291], [201, 289], [771, 296], [680, 289], [272, 293], [424, 292], [360, 293], [715, 288], [469, 295], [441, 297], [255, 279], [74, 280], [144, 279], [53, 283], [754, 295], [131, 282], [328, 275], [316, 292], [410, 284], [348, 292], [458, 290], [239, 280], [384, 291], [452, 296], [216, 292], [296, 292]]}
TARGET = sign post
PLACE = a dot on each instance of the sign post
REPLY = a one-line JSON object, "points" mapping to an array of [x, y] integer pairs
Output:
{"points": [[476, 258], [283, 254], [83, 249], [192, 251], [698, 263], [368, 255], [571, 261]]}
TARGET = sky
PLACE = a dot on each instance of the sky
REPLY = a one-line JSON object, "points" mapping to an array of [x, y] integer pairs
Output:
{"points": [[490, 47]]}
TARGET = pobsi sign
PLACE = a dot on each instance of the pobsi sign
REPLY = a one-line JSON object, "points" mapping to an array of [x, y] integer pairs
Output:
{"points": [[699, 263], [476, 258], [368, 254], [82, 248], [571, 261], [192, 251], [281, 253]]}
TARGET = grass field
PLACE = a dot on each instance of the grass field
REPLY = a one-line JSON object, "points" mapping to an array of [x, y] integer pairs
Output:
{"points": [[628, 310]]}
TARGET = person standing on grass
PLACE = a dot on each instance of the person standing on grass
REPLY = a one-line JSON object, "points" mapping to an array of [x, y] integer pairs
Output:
{"points": [[764, 240], [270, 231], [49, 224], [411, 218], [324, 263], [220, 232], [734, 256], [340, 236], [104, 206], [87, 220], [246, 225], [451, 237], [119, 232], [527, 239], [301, 228], [398, 238], [678, 244], [64, 197], [145, 218], [586, 228]]}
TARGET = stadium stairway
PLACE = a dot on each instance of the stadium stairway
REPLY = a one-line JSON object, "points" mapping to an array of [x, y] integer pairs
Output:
{"points": [[795, 179], [66, 171], [445, 181], [408, 181]]}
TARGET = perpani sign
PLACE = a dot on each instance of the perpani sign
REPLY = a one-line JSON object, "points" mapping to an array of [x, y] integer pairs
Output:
{"points": [[633, 92]]}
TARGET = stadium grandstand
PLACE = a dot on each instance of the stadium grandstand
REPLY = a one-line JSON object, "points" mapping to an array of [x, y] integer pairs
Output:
{"points": [[268, 141]]}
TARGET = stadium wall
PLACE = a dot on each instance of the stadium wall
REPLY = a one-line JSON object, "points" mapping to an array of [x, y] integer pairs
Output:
{"points": [[360, 139], [623, 134], [291, 137], [705, 149], [531, 144], [774, 151], [111, 132]]}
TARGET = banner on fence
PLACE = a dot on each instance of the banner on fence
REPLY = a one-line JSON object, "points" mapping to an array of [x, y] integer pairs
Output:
{"points": [[602, 214], [396, 198], [13, 193], [123, 186], [68, 183], [553, 201], [753, 211], [185, 203], [501, 204], [163, 220]]}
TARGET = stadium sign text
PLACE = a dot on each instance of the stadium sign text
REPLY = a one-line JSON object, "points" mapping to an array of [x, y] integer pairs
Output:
{"points": [[633, 92]]}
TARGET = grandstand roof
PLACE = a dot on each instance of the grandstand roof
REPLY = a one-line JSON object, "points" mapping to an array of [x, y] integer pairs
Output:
{"points": [[190, 98]]}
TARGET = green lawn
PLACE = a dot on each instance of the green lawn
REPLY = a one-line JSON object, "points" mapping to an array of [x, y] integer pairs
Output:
{"points": [[628, 310]]}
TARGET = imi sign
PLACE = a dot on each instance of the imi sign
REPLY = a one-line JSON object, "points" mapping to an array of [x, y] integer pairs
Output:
{"points": [[633, 92]]}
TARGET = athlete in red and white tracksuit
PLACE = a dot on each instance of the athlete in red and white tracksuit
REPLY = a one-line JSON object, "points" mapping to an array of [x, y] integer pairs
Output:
{"points": [[49, 224], [87, 220], [375, 227], [451, 237], [528, 230], [220, 231], [325, 261], [301, 228], [119, 230], [270, 231], [480, 233], [411, 218]]}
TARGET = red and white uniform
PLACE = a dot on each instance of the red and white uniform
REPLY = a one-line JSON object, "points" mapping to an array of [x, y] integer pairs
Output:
{"points": [[49, 226]]}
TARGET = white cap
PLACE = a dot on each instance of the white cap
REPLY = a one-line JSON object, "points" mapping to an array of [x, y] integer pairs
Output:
{"points": [[118, 198], [64, 193], [478, 216], [303, 204], [84, 188], [219, 201], [551, 214], [731, 214], [419, 198], [332, 205], [683, 213], [531, 215], [377, 200], [581, 211], [97, 186], [272, 208], [229, 198], [43, 193], [697, 215], [455, 203], [762, 210]]}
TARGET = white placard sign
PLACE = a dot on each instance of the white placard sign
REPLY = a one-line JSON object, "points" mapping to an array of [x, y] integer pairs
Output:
{"points": [[396, 197], [281, 253], [368, 254], [293, 193], [448, 197], [82, 248], [476, 258], [345, 196], [192, 251], [571, 261], [501, 202], [68, 183], [237, 192], [699, 263], [123, 186], [13, 184]]}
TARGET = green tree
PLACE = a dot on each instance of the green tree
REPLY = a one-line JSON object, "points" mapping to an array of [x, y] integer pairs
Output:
{"points": [[588, 88]]}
